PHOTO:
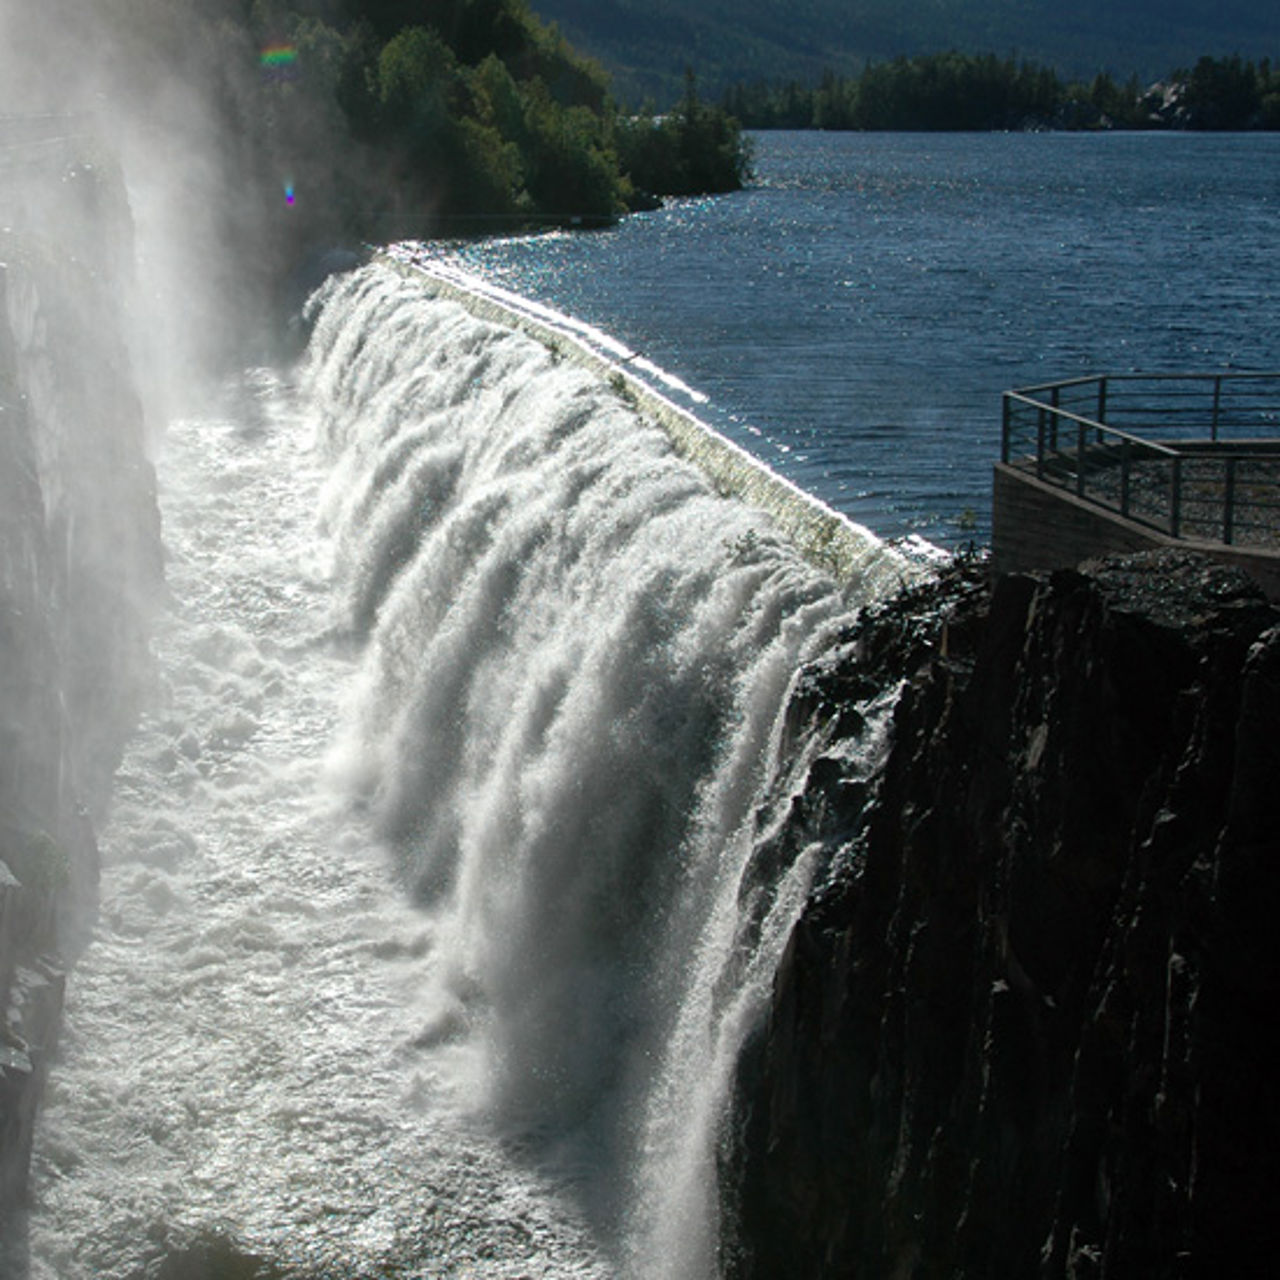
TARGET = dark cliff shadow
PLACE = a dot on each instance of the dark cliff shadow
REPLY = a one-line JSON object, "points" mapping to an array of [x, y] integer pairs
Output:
{"points": [[15, 1246]]}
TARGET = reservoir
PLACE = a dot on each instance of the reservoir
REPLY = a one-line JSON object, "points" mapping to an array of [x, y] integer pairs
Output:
{"points": [[855, 313]]}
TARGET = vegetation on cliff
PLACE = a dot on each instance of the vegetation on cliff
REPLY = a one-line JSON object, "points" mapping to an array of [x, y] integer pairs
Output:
{"points": [[258, 134], [410, 119], [952, 91]]}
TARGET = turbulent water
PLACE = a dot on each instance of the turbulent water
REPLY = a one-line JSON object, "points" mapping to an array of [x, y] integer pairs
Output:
{"points": [[428, 929]]}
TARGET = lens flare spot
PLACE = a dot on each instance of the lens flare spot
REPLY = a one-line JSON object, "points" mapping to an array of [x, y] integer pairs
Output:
{"points": [[288, 193], [278, 56]]}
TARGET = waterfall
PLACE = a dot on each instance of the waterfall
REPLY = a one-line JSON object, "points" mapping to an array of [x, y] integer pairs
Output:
{"points": [[442, 883], [576, 654]]}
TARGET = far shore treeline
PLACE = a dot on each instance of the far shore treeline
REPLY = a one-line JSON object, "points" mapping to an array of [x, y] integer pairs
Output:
{"points": [[959, 91]]}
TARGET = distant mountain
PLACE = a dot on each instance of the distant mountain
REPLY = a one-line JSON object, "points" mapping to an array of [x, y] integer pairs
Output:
{"points": [[647, 44]]}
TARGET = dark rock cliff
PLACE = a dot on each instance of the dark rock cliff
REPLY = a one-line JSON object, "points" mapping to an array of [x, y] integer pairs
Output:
{"points": [[80, 573], [1028, 1028]]}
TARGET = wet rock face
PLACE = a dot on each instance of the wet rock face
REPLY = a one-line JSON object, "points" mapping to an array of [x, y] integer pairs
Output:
{"points": [[80, 574], [1029, 1029]]}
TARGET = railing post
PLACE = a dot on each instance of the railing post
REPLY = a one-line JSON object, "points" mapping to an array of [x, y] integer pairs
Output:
{"points": [[1229, 503], [1057, 406]]}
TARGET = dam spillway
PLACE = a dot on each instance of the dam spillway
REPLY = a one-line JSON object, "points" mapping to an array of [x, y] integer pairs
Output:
{"points": [[432, 884]]}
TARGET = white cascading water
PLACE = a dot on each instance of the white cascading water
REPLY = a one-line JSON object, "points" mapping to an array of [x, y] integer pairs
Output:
{"points": [[425, 946]]}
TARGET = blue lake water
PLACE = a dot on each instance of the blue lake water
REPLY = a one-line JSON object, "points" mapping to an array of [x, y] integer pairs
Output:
{"points": [[853, 316]]}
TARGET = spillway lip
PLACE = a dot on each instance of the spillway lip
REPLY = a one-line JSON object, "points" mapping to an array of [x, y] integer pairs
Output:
{"points": [[828, 539]]}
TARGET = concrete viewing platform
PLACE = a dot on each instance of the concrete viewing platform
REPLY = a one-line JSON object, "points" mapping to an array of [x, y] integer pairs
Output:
{"points": [[1131, 462]]}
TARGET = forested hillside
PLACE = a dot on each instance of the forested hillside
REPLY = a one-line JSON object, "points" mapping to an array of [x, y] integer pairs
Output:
{"points": [[646, 44], [465, 114]]}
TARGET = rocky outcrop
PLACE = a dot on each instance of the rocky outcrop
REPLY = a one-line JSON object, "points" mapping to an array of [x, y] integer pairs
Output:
{"points": [[1027, 1026], [79, 574]]}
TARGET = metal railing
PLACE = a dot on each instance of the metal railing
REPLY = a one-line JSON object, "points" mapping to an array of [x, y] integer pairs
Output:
{"points": [[1189, 455]]}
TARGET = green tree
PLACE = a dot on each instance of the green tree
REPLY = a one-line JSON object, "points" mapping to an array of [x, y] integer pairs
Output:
{"points": [[694, 150], [1223, 93], [572, 167]]}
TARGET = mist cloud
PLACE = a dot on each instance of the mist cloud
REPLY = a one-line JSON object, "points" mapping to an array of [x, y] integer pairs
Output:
{"points": [[174, 102]]}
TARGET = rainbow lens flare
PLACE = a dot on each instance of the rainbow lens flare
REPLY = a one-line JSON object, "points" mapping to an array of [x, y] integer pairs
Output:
{"points": [[277, 57], [288, 193]]}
